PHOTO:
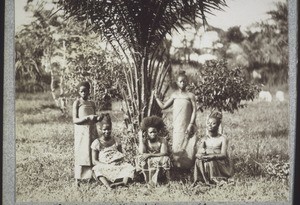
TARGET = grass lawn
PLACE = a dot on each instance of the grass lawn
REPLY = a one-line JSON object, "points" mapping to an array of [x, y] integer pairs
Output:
{"points": [[258, 135]]}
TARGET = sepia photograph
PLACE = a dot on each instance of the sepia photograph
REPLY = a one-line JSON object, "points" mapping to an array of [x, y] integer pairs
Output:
{"points": [[153, 101]]}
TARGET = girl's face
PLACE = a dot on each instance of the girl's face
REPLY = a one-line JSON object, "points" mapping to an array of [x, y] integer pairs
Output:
{"points": [[152, 133], [181, 82], [83, 92], [212, 124], [106, 131]]}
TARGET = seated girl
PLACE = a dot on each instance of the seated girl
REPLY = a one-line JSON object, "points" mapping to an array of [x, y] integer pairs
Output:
{"points": [[108, 159], [153, 160], [212, 164]]}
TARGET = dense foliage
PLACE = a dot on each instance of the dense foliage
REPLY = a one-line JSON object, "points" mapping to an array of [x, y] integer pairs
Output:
{"points": [[30, 45], [267, 47], [90, 63], [73, 51], [54, 53], [221, 87]]}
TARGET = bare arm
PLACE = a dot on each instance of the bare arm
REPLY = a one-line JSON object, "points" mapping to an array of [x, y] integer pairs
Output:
{"points": [[165, 105], [193, 115], [76, 119], [96, 118], [201, 149], [95, 160], [223, 153]]}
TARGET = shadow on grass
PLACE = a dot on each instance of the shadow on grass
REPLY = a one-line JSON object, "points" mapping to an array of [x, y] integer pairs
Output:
{"points": [[183, 175]]}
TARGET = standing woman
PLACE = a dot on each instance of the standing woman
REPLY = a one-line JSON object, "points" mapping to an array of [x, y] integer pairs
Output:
{"points": [[84, 119], [184, 115]]}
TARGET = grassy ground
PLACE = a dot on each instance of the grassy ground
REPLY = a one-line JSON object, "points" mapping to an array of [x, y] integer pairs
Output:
{"points": [[258, 134]]}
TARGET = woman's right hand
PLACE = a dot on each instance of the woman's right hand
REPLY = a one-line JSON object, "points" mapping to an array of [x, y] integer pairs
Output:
{"points": [[91, 117], [99, 117]]}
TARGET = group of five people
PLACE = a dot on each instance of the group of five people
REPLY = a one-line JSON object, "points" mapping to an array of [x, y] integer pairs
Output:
{"points": [[101, 155]]}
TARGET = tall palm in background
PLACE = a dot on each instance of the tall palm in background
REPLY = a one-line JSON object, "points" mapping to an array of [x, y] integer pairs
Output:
{"points": [[136, 29]]}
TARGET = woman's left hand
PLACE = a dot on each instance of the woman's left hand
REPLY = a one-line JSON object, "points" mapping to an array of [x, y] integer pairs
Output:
{"points": [[189, 129]]}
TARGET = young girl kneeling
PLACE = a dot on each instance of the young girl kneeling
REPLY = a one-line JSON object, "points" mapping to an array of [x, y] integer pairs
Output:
{"points": [[110, 167]]}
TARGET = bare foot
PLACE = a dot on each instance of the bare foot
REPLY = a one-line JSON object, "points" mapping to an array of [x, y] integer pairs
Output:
{"points": [[77, 184], [108, 187], [114, 185]]}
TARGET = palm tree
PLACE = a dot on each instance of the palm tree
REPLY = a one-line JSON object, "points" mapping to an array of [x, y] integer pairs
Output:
{"points": [[136, 29]]}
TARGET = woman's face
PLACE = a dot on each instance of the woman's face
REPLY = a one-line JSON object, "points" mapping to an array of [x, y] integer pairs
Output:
{"points": [[152, 133], [181, 82], [83, 92], [212, 124], [106, 131]]}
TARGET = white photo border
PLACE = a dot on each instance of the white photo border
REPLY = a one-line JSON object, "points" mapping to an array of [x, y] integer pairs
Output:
{"points": [[9, 155]]}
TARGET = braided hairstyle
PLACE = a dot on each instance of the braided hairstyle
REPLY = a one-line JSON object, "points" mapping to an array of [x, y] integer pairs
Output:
{"points": [[106, 120], [216, 115]]}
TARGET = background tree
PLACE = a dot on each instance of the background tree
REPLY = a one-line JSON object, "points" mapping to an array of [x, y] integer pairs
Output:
{"points": [[222, 87], [60, 53], [234, 34], [30, 42], [135, 29], [267, 47], [89, 61]]}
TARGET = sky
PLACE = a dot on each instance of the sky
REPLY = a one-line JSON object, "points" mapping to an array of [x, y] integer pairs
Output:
{"points": [[242, 13], [237, 13]]}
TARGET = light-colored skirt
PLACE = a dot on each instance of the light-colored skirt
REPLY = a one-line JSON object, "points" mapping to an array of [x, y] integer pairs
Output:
{"points": [[114, 170]]}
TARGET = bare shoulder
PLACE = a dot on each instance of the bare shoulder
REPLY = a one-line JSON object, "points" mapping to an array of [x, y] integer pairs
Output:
{"points": [[76, 103], [191, 95], [224, 138]]}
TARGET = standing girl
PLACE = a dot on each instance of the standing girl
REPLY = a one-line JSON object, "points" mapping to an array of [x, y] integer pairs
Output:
{"points": [[84, 119], [184, 115]]}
